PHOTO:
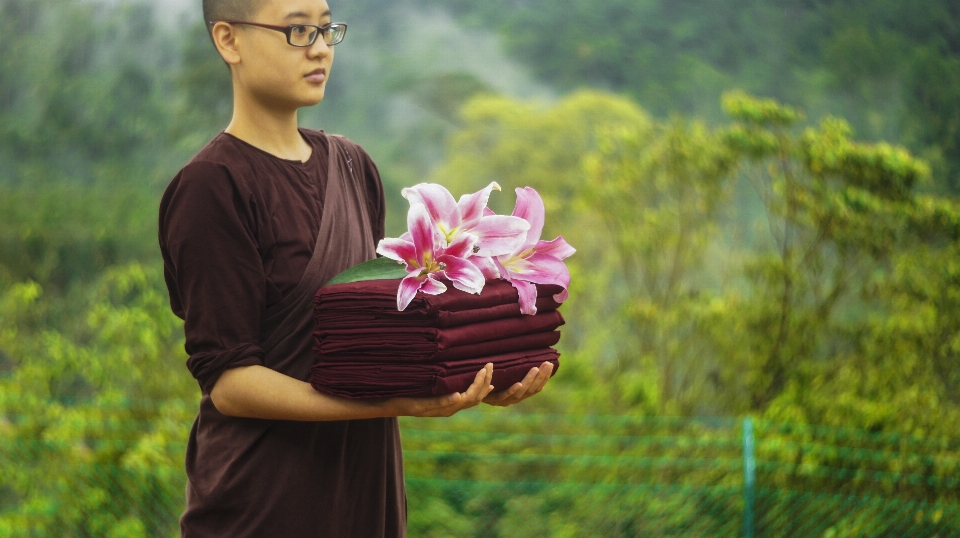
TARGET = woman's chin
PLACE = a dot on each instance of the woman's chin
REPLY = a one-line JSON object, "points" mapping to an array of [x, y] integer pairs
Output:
{"points": [[313, 98]]}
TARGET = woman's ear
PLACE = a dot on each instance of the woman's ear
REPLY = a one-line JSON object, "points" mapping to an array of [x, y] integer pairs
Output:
{"points": [[225, 38]]}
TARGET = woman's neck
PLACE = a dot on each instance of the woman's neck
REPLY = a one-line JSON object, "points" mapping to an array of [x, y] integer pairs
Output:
{"points": [[270, 129]]}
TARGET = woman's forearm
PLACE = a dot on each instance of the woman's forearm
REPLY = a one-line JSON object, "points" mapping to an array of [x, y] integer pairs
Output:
{"points": [[259, 392]]}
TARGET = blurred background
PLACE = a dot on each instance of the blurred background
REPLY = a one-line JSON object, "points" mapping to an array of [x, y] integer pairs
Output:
{"points": [[764, 326]]}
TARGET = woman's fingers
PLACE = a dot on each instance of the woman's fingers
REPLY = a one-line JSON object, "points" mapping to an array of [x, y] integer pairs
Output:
{"points": [[446, 406], [495, 398], [517, 391], [546, 370], [480, 387], [480, 382], [527, 382], [532, 383]]}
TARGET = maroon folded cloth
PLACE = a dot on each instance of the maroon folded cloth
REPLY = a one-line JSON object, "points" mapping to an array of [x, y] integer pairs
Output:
{"points": [[344, 317], [368, 349], [361, 381], [420, 342], [374, 303], [471, 351]]}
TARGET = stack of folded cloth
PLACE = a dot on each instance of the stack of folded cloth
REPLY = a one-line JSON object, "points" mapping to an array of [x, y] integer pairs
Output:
{"points": [[366, 348]]}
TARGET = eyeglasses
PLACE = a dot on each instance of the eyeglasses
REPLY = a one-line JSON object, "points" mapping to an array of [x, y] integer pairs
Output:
{"points": [[304, 35]]}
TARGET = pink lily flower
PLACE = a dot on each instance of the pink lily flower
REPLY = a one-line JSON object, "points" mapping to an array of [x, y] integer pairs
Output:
{"points": [[423, 251], [496, 234], [535, 261]]}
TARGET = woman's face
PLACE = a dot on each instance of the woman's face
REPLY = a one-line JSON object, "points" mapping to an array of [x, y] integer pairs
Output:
{"points": [[275, 73]]}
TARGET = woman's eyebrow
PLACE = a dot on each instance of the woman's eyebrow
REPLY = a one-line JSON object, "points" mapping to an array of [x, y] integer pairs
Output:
{"points": [[302, 15]]}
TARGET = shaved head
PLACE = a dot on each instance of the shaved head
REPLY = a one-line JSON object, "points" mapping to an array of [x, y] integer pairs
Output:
{"points": [[225, 20], [226, 10]]}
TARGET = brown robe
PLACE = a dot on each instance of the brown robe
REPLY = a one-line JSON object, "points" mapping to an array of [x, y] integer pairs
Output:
{"points": [[235, 229]]}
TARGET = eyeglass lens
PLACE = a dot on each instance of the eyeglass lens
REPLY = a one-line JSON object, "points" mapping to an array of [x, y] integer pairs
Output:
{"points": [[304, 36]]}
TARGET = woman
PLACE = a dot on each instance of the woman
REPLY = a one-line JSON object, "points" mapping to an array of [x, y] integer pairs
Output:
{"points": [[250, 228]]}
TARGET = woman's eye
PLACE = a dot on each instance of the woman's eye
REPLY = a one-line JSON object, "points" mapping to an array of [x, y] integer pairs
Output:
{"points": [[299, 30]]}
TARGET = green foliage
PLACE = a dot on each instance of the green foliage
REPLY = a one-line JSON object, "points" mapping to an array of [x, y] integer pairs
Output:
{"points": [[92, 418], [523, 144], [890, 67], [86, 104], [753, 267], [741, 106], [72, 233]]}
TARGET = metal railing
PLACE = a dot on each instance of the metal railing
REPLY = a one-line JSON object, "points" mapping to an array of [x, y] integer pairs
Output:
{"points": [[502, 474]]}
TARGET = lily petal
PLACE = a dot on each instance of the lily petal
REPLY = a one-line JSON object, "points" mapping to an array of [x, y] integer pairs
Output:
{"points": [[504, 274], [422, 232], [528, 296], [439, 203], [499, 235], [432, 286], [562, 296], [409, 287], [558, 248], [464, 274], [472, 205], [398, 250], [531, 209], [462, 246], [487, 267], [540, 270]]}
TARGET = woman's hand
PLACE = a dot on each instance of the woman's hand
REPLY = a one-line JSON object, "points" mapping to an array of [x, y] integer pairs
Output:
{"points": [[533, 383], [445, 406]]}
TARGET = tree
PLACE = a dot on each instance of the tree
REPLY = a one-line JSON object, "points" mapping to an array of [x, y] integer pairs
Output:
{"points": [[92, 416], [741, 269]]}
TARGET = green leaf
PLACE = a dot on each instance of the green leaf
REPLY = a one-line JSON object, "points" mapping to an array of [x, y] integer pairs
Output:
{"points": [[375, 269]]}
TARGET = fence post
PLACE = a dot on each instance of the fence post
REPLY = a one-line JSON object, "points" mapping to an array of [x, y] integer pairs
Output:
{"points": [[749, 478]]}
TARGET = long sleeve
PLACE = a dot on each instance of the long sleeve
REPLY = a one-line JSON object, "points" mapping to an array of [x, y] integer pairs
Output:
{"points": [[213, 269], [237, 230]]}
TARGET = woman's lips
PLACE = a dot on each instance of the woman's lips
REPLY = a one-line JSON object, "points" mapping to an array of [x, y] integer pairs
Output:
{"points": [[317, 76]]}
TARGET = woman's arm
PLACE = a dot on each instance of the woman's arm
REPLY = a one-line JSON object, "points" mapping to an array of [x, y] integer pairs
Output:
{"points": [[259, 392]]}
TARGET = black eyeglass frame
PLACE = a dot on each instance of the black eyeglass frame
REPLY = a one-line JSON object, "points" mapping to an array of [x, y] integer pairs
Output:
{"points": [[288, 30]]}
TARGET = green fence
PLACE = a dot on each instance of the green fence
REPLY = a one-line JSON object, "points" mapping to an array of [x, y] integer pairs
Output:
{"points": [[497, 474]]}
